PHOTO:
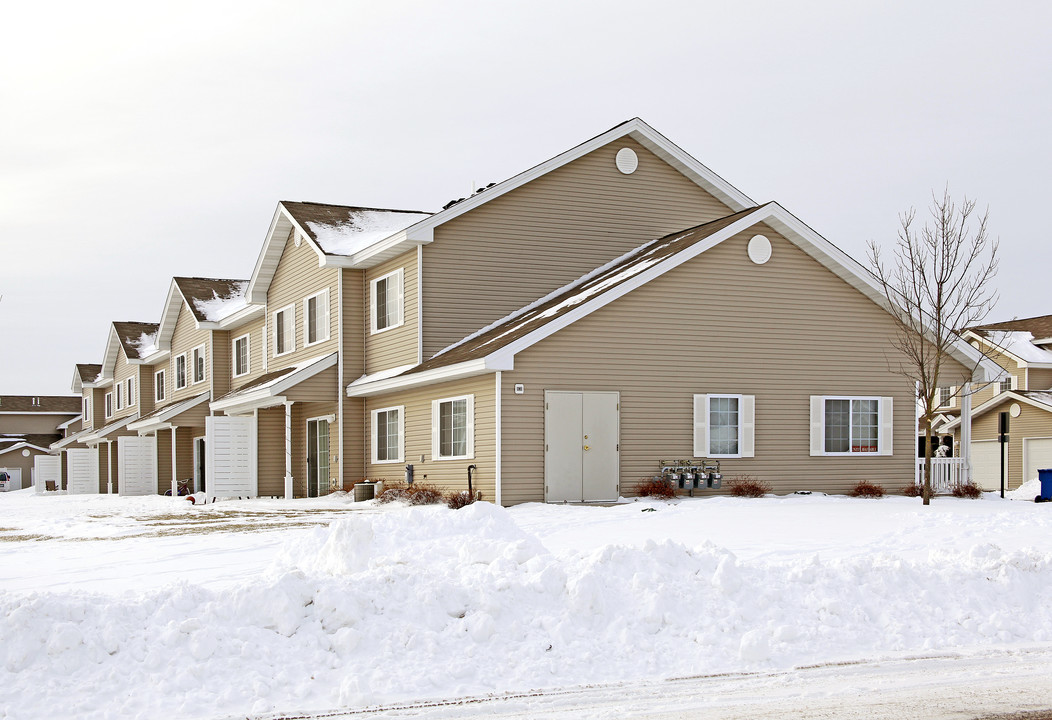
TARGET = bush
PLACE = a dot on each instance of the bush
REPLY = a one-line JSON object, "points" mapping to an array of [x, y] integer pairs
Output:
{"points": [[747, 486], [967, 490], [461, 498], [866, 489], [657, 487], [912, 490], [415, 494]]}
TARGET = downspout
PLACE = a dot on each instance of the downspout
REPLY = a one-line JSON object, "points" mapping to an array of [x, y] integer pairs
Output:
{"points": [[109, 468], [497, 494]]}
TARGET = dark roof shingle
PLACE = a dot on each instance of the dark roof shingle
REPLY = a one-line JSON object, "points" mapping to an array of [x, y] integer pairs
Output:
{"points": [[40, 404]]}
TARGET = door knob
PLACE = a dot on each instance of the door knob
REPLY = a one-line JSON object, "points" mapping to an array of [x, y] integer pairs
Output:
{"points": [[587, 447]]}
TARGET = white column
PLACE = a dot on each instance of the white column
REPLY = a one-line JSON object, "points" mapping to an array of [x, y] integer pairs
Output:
{"points": [[175, 478], [289, 490], [497, 491], [965, 450], [109, 468]]}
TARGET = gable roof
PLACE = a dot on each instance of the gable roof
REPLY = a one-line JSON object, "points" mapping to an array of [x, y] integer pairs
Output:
{"points": [[137, 339], [38, 441], [213, 302], [1040, 399], [40, 404], [1025, 340], [494, 347], [84, 374], [1039, 327]]}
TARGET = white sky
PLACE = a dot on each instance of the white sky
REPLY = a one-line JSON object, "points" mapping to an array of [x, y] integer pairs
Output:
{"points": [[144, 140]]}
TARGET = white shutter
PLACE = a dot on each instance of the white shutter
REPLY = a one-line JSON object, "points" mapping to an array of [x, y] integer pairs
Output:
{"points": [[323, 316], [886, 425], [701, 426], [953, 396], [401, 432], [817, 412], [1015, 382], [471, 426], [747, 418], [230, 456], [435, 441], [399, 297], [47, 468]]}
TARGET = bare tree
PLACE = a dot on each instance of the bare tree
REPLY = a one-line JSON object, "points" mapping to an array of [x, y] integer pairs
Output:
{"points": [[938, 282]]}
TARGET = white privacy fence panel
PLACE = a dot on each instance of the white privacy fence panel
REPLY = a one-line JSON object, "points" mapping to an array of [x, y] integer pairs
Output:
{"points": [[230, 456], [47, 469], [137, 465], [82, 472]]}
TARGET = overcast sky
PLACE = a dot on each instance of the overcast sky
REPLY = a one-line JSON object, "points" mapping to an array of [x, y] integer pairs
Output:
{"points": [[144, 140]]}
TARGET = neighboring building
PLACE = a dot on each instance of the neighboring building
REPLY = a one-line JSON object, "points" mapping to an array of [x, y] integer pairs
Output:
{"points": [[560, 333], [28, 426], [1023, 349]]}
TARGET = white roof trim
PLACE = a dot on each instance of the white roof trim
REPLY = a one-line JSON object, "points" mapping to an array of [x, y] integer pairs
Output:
{"points": [[261, 396], [76, 437], [69, 422], [23, 444], [270, 255], [155, 422], [113, 427], [366, 385], [234, 320], [997, 400]]}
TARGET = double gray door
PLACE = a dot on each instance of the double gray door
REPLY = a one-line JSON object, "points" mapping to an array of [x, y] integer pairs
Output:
{"points": [[581, 446]]}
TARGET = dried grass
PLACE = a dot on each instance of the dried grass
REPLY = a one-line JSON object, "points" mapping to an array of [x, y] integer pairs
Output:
{"points": [[747, 486]]}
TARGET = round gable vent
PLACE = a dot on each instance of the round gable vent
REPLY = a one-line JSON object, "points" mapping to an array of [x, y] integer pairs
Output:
{"points": [[626, 160], [1014, 410], [759, 249]]}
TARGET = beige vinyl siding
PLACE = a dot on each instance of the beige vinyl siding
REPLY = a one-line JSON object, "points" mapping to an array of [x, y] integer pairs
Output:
{"points": [[256, 342], [1032, 422], [270, 454], [221, 361], [516, 248], [98, 406], [185, 337], [122, 370], [1038, 379], [782, 331], [298, 276], [270, 430], [397, 346], [144, 392], [447, 474], [301, 412], [164, 460], [352, 355]]}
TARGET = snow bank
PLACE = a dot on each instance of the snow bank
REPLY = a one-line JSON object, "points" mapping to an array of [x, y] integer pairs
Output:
{"points": [[429, 602]]}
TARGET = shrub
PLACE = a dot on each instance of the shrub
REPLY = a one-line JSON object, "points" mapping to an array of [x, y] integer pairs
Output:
{"points": [[656, 487], [747, 486], [415, 494], [912, 490], [967, 490], [461, 498], [866, 489]]}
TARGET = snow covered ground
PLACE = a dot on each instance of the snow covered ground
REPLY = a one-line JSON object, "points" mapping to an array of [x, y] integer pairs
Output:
{"points": [[148, 607]]}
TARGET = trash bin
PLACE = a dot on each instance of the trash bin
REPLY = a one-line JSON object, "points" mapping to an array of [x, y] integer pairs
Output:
{"points": [[1046, 483], [367, 491]]}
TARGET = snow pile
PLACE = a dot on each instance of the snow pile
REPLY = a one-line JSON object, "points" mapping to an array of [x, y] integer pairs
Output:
{"points": [[428, 602], [216, 308], [361, 229]]}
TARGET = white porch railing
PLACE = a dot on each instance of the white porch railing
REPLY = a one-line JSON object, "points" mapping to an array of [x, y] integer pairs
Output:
{"points": [[946, 473]]}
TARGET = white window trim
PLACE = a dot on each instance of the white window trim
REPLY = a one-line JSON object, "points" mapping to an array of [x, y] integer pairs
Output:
{"points": [[163, 387], [436, 440], [400, 316], [108, 404], [129, 392], [323, 318], [247, 337], [175, 372], [291, 322], [885, 425], [401, 434], [746, 425], [192, 379], [118, 391]]}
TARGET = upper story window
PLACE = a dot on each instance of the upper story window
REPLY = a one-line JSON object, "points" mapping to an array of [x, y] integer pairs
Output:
{"points": [[285, 330], [316, 318], [851, 425], [129, 391], [242, 363], [180, 371], [198, 362], [1005, 384], [158, 385], [108, 398], [453, 428], [118, 388], [388, 434], [386, 301], [85, 409], [946, 396]]}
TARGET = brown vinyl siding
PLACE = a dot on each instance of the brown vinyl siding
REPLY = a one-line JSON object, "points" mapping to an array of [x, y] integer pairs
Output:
{"points": [[122, 370], [1038, 379], [352, 356], [518, 247], [397, 346], [256, 341], [1032, 423], [144, 392], [297, 277], [164, 460], [270, 457], [185, 337], [447, 474], [782, 331], [220, 355]]}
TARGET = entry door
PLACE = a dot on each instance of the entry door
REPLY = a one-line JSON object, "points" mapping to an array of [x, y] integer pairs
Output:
{"points": [[581, 446], [317, 457]]}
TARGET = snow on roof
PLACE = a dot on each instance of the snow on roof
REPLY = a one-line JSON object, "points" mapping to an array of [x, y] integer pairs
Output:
{"points": [[218, 306], [138, 339], [361, 229], [1021, 344]]}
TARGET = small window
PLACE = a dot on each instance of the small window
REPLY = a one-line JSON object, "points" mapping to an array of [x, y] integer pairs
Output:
{"points": [[316, 318], [453, 428], [130, 391], [1006, 384], [85, 409], [724, 425], [724, 428], [388, 431], [241, 356], [386, 301], [946, 396], [180, 371], [198, 357], [158, 385], [285, 330], [120, 395], [109, 404]]}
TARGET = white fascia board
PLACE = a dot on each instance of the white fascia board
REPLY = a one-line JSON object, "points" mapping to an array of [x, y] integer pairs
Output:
{"points": [[247, 405], [173, 303], [152, 359], [69, 422], [273, 245], [22, 446], [97, 435], [855, 274], [235, 320], [109, 356], [365, 388], [168, 413], [77, 386], [382, 250], [639, 130], [257, 397]]}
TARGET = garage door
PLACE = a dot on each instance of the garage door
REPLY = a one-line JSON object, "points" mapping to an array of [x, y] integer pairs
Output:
{"points": [[1037, 455], [986, 464]]}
